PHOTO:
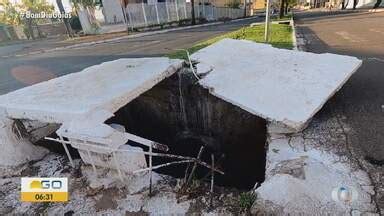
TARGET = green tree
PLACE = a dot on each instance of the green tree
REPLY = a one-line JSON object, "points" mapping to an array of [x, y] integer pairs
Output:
{"points": [[34, 7], [10, 14]]}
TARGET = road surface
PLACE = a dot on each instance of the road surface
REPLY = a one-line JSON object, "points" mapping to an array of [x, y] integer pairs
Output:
{"points": [[17, 72], [361, 100]]}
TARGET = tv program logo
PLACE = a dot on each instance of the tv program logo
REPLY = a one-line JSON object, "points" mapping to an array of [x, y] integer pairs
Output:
{"points": [[44, 189], [344, 194]]}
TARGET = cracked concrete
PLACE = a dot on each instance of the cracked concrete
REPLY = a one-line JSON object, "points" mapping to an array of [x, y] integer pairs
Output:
{"points": [[304, 168]]}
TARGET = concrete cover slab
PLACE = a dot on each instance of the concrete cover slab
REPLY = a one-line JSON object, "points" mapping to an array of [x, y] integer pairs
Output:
{"points": [[283, 86], [80, 103], [107, 86]]}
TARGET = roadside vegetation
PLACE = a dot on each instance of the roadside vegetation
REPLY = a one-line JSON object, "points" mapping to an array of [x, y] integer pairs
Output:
{"points": [[280, 37]]}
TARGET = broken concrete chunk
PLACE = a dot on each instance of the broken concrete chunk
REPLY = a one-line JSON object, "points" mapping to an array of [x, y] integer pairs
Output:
{"points": [[284, 86], [126, 161], [15, 148]]}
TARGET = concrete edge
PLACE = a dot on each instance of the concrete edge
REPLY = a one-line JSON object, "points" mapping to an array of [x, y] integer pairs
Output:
{"points": [[297, 40], [294, 40]]}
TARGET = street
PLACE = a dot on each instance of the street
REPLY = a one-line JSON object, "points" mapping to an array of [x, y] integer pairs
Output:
{"points": [[17, 72], [361, 100]]}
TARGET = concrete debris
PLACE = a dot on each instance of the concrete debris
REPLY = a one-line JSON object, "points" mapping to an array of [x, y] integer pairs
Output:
{"points": [[283, 86], [103, 194], [16, 149], [302, 177]]}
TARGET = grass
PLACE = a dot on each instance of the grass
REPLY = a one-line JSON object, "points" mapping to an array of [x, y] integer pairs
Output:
{"points": [[246, 200], [280, 36]]}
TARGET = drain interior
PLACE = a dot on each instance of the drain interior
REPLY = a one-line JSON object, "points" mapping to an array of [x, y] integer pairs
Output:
{"points": [[183, 115]]}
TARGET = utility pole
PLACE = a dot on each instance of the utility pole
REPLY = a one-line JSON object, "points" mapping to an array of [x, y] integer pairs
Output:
{"points": [[245, 8], [65, 20], [267, 16], [193, 12]]}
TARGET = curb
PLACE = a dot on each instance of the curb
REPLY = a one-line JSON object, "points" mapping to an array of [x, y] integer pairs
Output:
{"points": [[294, 36], [297, 40], [127, 37]]}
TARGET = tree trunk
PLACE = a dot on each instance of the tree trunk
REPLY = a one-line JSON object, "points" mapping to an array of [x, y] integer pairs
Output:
{"points": [[377, 4], [66, 23], [39, 32], [354, 4], [281, 12], [286, 7], [30, 29], [193, 12], [245, 8]]}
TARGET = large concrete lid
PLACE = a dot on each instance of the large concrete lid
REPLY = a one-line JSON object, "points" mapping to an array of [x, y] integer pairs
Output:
{"points": [[107, 86], [283, 86]]}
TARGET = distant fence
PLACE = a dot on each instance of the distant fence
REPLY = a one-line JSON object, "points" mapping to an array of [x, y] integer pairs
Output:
{"points": [[142, 15]]}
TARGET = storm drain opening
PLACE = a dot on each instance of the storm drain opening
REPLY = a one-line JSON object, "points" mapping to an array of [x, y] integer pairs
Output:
{"points": [[180, 113]]}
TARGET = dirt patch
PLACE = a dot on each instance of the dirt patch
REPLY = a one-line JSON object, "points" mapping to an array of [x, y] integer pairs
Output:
{"points": [[108, 199]]}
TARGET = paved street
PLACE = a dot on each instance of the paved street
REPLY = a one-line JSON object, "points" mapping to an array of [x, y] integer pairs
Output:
{"points": [[16, 72], [361, 100]]}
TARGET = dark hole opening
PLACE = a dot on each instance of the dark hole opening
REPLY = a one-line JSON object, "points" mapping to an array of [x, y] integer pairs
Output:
{"points": [[183, 115]]}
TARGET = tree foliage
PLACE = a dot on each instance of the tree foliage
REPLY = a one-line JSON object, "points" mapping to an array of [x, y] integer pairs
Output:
{"points": [[10, 14]]}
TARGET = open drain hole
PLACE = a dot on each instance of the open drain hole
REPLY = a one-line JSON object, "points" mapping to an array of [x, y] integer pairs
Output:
{"points": [[183, 115]]}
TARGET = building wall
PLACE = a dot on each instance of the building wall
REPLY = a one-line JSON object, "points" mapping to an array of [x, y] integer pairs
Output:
{"points": [[259, 4], [112, 11]]}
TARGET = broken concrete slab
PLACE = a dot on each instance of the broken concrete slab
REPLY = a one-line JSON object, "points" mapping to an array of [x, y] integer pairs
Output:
{"points": [[283, 86], [84, 99], [107, 86], [301, 177], [15, 148]]}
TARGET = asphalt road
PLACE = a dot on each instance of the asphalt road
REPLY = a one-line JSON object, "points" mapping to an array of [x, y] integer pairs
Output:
{"points": [[17, 72], [361, 100]]}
